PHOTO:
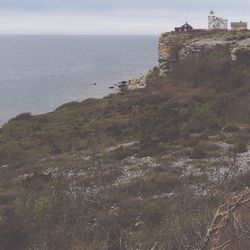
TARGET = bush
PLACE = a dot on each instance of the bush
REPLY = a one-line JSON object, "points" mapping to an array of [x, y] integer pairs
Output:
{"points": [[14, 155], [230, 128], [152, 214], [148, 146], [195, 138], [244, 179], [14, 234], [198, 153], [123, 152], [152, 185], [204, 117], [199, 117], [240, 147], [116, 128], [21, 117], [243, 57], [210, 64]]}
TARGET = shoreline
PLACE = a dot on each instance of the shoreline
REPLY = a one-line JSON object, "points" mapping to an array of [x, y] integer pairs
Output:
{"points": [[137, 82], [52, 77]]}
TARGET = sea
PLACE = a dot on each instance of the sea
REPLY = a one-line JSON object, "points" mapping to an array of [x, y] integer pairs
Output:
{"points": [[38, 73]]}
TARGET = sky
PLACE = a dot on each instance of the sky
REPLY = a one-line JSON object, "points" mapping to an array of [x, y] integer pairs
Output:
{"points": [[135, 17]]}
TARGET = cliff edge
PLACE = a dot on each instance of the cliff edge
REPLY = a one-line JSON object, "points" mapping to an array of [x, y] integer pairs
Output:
{"points": [[174, 47]]}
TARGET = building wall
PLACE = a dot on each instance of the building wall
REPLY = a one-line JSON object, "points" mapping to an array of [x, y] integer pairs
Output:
{"points": [[238, 28], [215, 23], [211, 19]]}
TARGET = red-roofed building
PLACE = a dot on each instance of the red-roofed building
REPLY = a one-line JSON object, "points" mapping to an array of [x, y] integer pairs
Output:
{"points": [[184, 28]]}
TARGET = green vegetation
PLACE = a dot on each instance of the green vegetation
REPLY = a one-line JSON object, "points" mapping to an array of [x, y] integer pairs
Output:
{"points": [[133, 170]]}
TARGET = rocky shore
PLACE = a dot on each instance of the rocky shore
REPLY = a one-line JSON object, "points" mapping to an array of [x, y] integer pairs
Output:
{"points": [[135, 83], [141, 81]]}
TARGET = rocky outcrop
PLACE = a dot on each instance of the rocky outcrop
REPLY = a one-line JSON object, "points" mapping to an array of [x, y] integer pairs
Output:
{"points": [[141, 81], [174, 47]]}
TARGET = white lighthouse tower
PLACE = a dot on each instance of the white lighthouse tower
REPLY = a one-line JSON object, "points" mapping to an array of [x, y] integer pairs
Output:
{"points": [[211, 20], [216, 23]]}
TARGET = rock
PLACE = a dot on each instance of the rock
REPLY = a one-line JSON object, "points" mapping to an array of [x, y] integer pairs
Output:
{"points": [[123, 86], [141, 81], [174, 47]]}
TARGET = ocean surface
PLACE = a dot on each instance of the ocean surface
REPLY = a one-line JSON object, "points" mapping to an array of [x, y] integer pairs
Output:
{"points": [[40, 73]]}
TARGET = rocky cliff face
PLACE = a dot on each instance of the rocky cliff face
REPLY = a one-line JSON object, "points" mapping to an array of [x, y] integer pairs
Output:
{"points": [[174, 47]]}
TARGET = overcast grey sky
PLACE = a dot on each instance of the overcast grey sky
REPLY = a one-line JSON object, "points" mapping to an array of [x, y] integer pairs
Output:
{"points": [[112, 16]]}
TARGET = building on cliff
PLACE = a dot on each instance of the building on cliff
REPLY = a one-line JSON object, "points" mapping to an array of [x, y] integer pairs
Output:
{"points": [[216, 23], [184, 28], [237, 26]]}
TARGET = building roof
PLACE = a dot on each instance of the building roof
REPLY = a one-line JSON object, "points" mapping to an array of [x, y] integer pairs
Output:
{"points": [[186, 25], [239, 24]]}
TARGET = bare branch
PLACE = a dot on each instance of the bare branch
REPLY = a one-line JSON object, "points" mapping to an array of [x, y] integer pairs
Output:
{"points": [[222, 218]]}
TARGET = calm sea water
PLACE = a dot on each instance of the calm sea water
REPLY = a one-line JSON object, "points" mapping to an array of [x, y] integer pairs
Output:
{"points": [[40, 73]]}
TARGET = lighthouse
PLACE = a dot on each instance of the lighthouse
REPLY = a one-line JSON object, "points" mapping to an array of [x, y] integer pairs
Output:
{"points": [[216, 23]]}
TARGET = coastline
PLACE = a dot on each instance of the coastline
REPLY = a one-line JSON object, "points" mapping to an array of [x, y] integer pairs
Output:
{"points": [[137, 82], [48, 71]]}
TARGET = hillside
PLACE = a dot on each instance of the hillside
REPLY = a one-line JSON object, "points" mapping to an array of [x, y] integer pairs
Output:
{"points": [[141, 169]]}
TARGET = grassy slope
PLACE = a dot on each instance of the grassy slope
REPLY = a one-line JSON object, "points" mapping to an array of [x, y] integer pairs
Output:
{"points": [[79, 204]]}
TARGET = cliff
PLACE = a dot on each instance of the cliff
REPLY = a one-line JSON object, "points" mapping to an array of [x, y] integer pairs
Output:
{"points": [[140, 169], [174, 47]]}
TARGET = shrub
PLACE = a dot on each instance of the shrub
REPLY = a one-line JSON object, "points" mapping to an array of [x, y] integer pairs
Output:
{"points": [[230, 128], [123, 152], [244, 179], [152, 214], [148, 146], [21, 117], [198, 153], [14, 234], [72, 104], [152, 185], [210, 64], [116, 128], [42, 119], [14, 155], [240, 147], [203, 117], [243, 57], [199, 116], [37, 181], [195, 138]]}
